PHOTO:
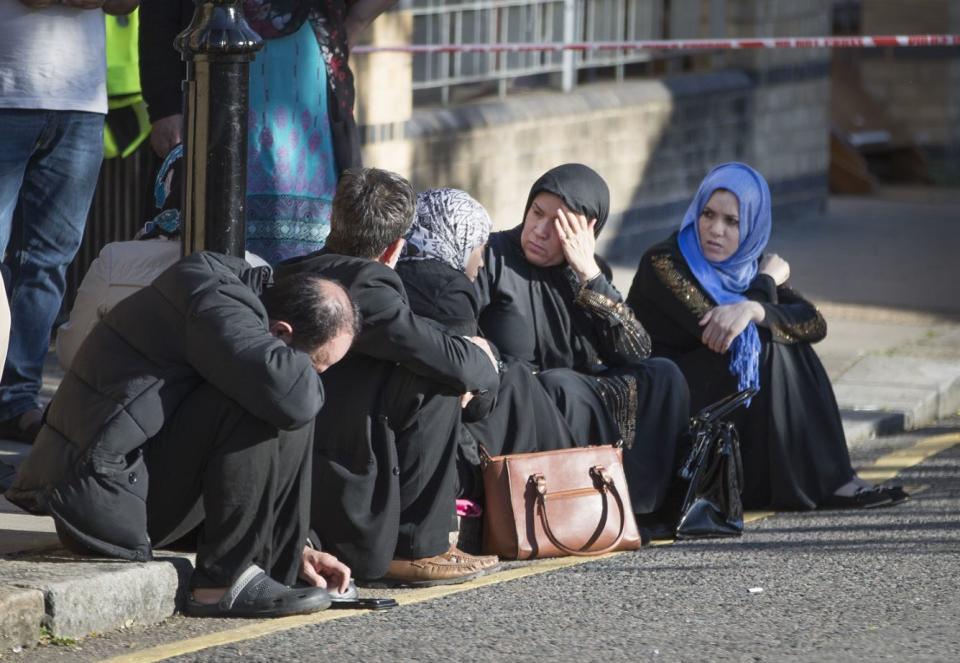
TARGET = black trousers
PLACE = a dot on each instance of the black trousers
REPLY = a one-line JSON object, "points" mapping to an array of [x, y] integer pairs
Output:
{"points": [[661, 417], [425, 422], [243, 482], [385, 481]]}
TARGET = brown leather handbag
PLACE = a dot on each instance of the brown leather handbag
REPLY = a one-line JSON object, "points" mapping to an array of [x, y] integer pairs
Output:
{"points": [[555, 503]]}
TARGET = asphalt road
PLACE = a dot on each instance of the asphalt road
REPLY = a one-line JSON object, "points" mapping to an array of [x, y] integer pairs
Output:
{"points": [[836, 585]]}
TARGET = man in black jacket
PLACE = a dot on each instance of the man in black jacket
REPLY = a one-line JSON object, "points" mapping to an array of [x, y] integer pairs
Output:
{"points": [[192, 403], [385, 481]]}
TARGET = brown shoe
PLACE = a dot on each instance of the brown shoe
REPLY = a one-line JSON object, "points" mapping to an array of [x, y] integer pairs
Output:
{"points": [[488, 563], [449, 568]]}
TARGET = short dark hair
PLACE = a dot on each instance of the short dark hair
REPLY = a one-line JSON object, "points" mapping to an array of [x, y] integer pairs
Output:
{"points": [[371, 209], [318, 309]]}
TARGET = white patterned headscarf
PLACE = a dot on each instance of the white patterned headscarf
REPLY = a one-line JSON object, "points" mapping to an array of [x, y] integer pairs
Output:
{"points": [[449, 225]]}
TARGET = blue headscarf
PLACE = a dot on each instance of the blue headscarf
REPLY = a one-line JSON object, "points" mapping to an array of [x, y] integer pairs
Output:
{"points": [[726, 281]]}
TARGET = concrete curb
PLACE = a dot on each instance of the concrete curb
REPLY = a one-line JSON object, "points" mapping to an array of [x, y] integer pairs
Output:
{"points": [[73, 596], [881, 395], [21, 615], [858, 427]]}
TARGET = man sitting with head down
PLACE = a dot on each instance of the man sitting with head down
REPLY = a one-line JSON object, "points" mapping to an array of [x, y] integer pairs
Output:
{"points": [[207, 381], [385, 481]]}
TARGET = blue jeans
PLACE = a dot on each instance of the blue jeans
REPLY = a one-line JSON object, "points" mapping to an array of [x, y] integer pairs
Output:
{"points": [[49, 164]]}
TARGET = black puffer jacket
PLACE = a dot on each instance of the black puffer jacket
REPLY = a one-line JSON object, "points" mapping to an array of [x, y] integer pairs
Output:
{"points": [[201, 321]]}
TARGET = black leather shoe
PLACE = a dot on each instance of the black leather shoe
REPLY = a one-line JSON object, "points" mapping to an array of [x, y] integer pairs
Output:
{"points": [[864, 498], [17, 430], [656, 532], [897, 494], [255, 594], [7, 473]]}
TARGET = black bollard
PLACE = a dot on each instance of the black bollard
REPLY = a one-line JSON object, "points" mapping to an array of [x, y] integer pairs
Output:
{"points": [[217, 46]]}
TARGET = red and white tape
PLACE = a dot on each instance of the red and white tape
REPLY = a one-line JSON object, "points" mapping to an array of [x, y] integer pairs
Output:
{"points": [[677, 44]]}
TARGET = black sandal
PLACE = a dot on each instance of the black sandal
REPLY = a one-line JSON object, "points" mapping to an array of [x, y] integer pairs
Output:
{"points": [[897, 494], [863, 498], [255, 594]]}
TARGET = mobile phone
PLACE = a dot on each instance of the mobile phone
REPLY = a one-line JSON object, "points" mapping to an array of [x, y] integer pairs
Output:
{"points": [[366, 604]]}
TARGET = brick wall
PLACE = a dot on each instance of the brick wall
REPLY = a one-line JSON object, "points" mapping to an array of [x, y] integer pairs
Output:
{"points": [[653, 141]]}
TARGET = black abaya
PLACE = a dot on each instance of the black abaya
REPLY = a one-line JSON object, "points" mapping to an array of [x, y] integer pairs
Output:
{"points": [[591, 356], [793, 446], [521, 416]]}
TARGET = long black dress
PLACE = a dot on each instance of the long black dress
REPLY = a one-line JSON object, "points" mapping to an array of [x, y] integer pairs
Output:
{"points": [[520, 416], [794, 451], [591, 356]]}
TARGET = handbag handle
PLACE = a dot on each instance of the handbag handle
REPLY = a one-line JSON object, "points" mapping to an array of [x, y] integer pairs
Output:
{"points": [[724, 406], [604, 483]]}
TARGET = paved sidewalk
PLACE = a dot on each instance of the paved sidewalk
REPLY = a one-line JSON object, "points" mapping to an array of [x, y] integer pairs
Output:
{"points": [[892, 369]]}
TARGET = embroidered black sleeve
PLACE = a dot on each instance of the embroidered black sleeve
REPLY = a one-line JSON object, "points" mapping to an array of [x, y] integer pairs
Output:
{"points": [[619, 393], [686, 291], [623, 335], [795, 320]]}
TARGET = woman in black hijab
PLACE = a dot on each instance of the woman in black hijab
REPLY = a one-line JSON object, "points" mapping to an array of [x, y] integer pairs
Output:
{"points": [[547, 302]]}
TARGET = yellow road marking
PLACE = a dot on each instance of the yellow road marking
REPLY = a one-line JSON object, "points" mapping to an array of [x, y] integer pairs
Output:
{"points": [[884, 468], [888, 466], [754, 516], [260, 629]]}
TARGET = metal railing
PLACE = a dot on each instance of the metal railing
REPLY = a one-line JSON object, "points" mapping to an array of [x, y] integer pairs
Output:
{"points": [[544, 21]]}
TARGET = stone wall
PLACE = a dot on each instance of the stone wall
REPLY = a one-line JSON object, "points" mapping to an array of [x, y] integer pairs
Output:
{"points": [[789, 137], [918, 87], [653, 140]]}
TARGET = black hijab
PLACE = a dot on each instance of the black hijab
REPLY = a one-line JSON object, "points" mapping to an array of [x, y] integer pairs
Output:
{"points": [[531, 313], [580, 187]]}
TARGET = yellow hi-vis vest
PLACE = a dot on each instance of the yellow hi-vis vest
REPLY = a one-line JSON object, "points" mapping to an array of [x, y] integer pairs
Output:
{"points": [[127, 124]]}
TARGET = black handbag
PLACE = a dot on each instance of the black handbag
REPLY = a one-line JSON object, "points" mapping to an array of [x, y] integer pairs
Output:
{"points": [[712, 506]]}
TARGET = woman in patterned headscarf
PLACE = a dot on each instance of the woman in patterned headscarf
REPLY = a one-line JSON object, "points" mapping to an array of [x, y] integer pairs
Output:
{"points": [[716, 304], [443, 253], [440, 262]]}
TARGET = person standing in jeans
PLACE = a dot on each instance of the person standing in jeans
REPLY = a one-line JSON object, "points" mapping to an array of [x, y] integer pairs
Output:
{"points": [[7, 471], [53, 101]]}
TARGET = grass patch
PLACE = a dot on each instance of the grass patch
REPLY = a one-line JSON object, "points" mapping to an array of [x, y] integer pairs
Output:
{"points": [[48, 638]]}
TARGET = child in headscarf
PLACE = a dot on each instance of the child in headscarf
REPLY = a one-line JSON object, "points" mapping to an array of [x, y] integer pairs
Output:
{"points": [[714, 303]]}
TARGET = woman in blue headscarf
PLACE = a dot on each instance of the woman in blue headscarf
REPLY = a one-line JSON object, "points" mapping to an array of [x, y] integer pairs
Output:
{"points": [[719, 307]]}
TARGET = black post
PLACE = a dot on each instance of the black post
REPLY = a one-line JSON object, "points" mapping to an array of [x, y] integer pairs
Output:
{"points": [[218, 46]]}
